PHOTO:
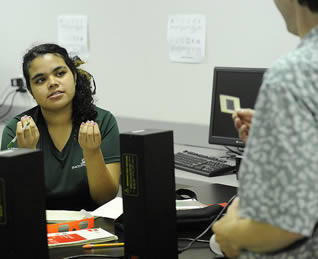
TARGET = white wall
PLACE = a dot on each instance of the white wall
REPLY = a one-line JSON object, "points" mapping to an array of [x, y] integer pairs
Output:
{"points": [[129, 52]]}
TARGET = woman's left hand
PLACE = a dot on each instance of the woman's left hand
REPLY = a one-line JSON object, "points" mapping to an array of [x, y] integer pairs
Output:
{"points": [[89, 136]]}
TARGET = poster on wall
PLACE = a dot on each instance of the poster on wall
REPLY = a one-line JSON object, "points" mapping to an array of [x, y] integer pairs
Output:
{"points": [[73, 34], [186, 38]]}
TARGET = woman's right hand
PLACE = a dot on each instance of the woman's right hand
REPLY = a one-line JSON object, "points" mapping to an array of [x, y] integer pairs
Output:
{"points": [[29, 137], [242, 122]]}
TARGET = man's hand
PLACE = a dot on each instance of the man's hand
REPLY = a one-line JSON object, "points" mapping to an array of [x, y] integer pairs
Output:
{"points": [[234, 234], [222, 231], [89, 136], [242, 122], [29, 137]]}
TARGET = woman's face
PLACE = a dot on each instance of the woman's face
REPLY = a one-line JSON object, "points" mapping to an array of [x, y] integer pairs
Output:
{"points": [[52, 82]]}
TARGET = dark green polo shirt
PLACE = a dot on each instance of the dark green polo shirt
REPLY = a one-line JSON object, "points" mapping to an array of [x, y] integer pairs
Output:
{"points": [[65, 172]]}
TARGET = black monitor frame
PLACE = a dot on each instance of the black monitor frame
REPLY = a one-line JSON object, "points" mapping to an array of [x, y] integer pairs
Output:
{"points": [[232, 138]]}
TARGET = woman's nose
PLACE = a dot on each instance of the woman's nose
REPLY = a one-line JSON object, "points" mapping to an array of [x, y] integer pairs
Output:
{"points": [[52, 81]]}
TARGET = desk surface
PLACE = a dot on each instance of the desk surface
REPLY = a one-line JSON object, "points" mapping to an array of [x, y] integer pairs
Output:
{"points": [[198, 250], [183, 178], [206, 193]]}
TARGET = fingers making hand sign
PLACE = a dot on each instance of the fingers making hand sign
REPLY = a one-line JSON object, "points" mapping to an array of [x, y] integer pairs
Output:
{"points": [[27, 137], [89, 136]]}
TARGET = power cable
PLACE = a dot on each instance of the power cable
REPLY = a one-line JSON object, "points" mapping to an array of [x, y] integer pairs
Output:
{"points": [[6, 97], [10, 108]]}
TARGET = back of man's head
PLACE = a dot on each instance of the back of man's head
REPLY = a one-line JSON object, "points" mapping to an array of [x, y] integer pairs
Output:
{"points": [[312, 4]]}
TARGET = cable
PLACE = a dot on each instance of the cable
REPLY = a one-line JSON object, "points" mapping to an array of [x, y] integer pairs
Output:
{"points": [[241, 149], [6, 97], [233, 151], [11, 105], [191, 239], [232, 154], [208, 228], [92, 255]]}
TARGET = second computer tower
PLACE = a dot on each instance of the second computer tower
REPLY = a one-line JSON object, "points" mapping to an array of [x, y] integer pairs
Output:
{"points": [[23, 231], [148, 189]]}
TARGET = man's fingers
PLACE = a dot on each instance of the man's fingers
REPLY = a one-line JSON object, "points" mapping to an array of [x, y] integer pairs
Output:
{"points": [[245, 115], [237, 123], [243, 131], [234, 205]]}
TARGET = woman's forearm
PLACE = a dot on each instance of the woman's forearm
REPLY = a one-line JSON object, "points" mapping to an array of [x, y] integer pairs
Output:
{"points": [[103, 180]]}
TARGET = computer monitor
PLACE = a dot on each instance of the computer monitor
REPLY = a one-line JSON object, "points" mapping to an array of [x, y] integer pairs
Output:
{"points": [[232, 87]]}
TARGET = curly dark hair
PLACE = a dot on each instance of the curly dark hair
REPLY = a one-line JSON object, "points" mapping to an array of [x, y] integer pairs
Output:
{"points": [[83, 107], [312, 4]]}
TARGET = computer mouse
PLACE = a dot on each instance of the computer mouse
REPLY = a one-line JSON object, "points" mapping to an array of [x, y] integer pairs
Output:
{"points": [[214, 246]]}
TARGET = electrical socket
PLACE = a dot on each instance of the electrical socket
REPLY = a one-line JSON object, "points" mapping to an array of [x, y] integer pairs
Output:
{"points": [[18, 82]]}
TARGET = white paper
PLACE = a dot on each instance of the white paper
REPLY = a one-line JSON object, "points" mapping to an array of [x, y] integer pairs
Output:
{"points": [[73, 34], [112, 209], [189, 204], [186, 38], [56, 216]]}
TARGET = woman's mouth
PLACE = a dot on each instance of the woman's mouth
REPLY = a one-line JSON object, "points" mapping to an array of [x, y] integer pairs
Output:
{"points": [[56, 94]]}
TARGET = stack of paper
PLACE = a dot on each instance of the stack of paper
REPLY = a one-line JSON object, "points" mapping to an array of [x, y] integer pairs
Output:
{"points": [[112, 209], [79, 237], [59, 216]]}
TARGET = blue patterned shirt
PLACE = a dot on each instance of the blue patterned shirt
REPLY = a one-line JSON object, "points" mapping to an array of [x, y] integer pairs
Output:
{"points": [[279, 172]]}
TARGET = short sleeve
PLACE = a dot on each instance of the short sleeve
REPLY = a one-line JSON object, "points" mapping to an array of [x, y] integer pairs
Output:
{"points": [[279, 172], [8, 134], [110, 138], [9, 131]]}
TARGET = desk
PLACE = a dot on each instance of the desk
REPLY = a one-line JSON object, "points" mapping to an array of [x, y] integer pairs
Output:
{"points": [[198, 250]]}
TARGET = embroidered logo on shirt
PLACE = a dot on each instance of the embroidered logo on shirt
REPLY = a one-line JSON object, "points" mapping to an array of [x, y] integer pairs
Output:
{"points": [[82, 164]]}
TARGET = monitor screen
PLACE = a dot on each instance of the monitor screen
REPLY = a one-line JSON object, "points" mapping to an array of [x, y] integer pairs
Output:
{"points": [[233, 87]]}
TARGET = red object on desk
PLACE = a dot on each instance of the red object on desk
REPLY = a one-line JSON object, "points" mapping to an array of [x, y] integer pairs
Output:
{"points": [[70, 225], [223, 204]]}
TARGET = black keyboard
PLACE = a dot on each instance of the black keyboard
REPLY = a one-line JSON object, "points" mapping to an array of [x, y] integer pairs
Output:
{"points": [[201, 164]]}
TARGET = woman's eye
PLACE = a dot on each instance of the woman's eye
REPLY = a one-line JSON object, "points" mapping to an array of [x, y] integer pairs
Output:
{"points": [[40, 80], [60, 73]]}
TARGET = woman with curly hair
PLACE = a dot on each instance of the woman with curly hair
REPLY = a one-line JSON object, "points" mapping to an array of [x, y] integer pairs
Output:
{"points": [[80, 142]]}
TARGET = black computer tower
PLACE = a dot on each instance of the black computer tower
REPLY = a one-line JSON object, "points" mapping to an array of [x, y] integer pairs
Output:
{"points": [[148, 191], [22, 205]]}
